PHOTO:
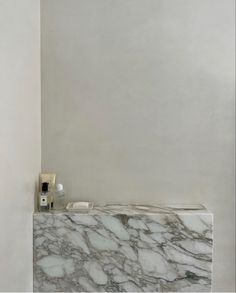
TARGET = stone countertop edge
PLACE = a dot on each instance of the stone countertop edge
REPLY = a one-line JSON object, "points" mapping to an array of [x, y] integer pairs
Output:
{"points": [[135, 209]]}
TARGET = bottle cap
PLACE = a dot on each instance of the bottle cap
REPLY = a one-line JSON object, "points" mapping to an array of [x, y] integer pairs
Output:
{"points": [[45, 187], [59, 187]]}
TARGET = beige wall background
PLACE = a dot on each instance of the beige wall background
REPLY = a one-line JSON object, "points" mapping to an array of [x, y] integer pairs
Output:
{"points": [[138, 106], [20, 138]]}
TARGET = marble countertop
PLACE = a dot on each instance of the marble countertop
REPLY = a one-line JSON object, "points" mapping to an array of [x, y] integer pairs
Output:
{"points": [[136, 209], [124, 248]]}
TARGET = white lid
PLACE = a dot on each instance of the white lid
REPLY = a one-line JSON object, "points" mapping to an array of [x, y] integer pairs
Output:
{"points": [[59, 187]]}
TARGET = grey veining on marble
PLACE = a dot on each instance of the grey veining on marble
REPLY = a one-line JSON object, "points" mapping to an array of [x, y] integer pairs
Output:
{"points": [[123, 248]]}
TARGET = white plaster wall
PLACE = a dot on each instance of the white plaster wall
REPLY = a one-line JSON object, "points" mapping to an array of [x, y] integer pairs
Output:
{"points": [[20, 138], [138, 106]]}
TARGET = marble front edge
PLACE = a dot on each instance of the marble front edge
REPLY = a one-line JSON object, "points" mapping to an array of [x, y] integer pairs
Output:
{"points": [[166, 251]]}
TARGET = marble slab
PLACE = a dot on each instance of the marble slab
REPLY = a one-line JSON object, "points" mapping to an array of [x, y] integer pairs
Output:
{"points": [[124, 249]]}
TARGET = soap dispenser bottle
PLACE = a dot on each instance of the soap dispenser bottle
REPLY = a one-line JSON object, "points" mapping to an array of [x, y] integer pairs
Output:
{"points": [[44, 199]]}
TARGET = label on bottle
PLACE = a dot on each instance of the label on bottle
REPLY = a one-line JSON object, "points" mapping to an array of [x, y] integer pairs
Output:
{"points": [[43, 200]]}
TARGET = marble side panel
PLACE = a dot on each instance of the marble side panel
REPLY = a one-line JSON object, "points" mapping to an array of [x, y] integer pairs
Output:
{"points": [[123, 251]]}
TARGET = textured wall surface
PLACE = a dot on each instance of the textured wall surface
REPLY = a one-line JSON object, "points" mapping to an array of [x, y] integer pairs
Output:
{"points": [[20, 138], [138, 106]]}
